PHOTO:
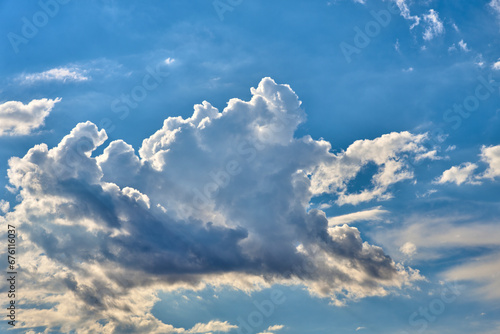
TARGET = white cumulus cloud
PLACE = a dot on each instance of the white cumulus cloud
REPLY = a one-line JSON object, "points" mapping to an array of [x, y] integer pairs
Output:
{"points": [[275, 327], [4, 206], [390, 153], [496, 65], [459, 174], [272, 329], [17, 118], [409, 249], [465, 173], [169, 61], [212, 326], [491, 156]]}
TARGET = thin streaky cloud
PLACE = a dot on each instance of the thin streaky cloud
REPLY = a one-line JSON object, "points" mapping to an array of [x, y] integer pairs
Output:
{"points": [[62, 74]]}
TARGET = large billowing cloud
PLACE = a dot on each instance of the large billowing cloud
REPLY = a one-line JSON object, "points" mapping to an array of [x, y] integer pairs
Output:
{"points": [[220, 198], [17, 118]]}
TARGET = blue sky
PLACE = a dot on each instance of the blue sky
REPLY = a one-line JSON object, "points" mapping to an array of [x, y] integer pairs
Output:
{"points": [[353, 189]]}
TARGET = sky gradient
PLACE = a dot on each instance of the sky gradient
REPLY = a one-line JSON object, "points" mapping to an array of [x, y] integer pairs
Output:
{"points": [[237, 166]]}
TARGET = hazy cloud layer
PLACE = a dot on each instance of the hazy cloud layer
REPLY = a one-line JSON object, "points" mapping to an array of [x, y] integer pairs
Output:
{"points": [[424, 238]]}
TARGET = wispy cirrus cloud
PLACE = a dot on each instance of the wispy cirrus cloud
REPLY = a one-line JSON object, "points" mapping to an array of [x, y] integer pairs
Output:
{"points": [[374, 214], [482, 271], [434, 25], [62, 74], [405, 12], [433, 237], [463, 46], [438, 236]]}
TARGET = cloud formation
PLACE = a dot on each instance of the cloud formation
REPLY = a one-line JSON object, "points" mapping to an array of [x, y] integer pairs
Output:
{"points": [[483, 272], [219, 198], [463, 46], [409, 249], [433, 235], [17, 118], [4, 206], [496, 65], [391, 154], [491, 156], [465, 173], [434, 25], [438, 236], [272, 329], [212, 326], [459, 174], [63, 74], [374, 214], [405, 12]]}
